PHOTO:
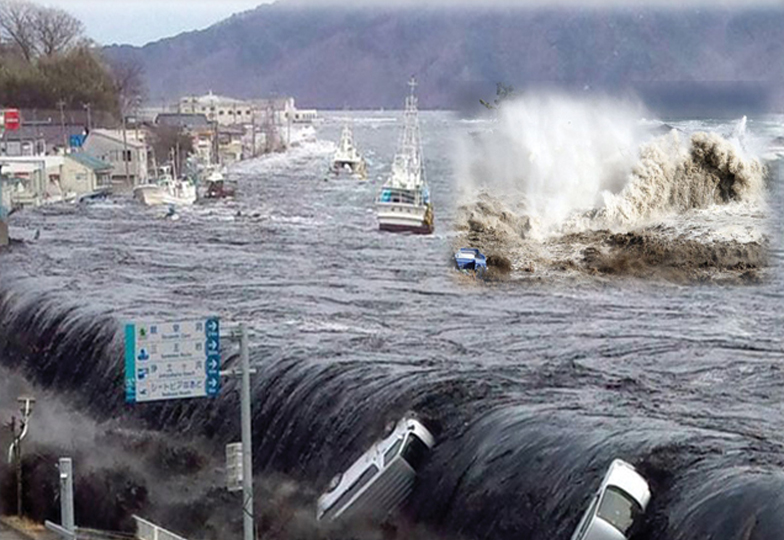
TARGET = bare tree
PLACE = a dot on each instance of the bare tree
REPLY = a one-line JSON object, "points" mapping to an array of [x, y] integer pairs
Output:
{"points": [[128, 78], [17, 19], [56, 30]]}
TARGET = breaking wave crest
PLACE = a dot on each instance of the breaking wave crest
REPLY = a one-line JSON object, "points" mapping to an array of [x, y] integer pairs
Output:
{"points": [[508, 462], [673, 178], [557, 179]]}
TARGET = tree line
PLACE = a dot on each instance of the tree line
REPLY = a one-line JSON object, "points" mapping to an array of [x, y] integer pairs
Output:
{"points": [[46, 61]]}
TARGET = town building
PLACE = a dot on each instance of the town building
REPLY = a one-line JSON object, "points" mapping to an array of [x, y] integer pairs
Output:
{"points": [[223, 110], [83, 174], [198, 127], [127, 154], [38, 180], [228, 111]]}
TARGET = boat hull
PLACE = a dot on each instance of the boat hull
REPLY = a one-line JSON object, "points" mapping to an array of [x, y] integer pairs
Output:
{"points": [[405, 218], [355, 168], [156, 195]]}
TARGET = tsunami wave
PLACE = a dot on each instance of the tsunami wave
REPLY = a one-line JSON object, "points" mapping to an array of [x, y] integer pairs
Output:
{"points": [[504, 467], [561, 183]]}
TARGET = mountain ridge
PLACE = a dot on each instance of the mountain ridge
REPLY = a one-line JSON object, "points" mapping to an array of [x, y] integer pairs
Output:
{"points": [[361, 58]]}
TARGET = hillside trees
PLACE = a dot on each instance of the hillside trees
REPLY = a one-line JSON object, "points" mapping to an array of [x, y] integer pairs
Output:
{"points": [[46, 58]]}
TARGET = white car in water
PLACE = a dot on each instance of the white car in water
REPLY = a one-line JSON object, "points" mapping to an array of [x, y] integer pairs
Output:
{"points": [[382, 478], [617, 506]]}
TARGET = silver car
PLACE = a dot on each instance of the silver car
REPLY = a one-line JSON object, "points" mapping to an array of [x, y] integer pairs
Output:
{"points": [[620, 502], [382, 478]]}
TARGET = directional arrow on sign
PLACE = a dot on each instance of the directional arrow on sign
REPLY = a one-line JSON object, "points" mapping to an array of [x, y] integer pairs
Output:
{"points": [[212, 345], [212, 325]]}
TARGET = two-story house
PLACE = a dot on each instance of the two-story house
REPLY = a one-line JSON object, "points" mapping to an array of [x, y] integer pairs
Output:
{"points": [[128, 156]]}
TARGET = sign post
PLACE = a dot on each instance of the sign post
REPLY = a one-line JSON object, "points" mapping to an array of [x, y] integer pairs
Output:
{"points": [[172, 360], [247, 448], [3, 211], [165, 360]]}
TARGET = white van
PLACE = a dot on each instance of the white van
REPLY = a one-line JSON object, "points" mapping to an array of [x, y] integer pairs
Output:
{"points": [[382, 478], [618, 504]]}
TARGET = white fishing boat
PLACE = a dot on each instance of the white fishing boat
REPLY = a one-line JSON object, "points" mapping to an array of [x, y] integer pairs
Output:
{"points": [[347, 158], [166, 190], [404, 202]]}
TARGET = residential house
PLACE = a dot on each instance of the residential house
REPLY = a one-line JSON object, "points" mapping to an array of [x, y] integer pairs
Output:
{"points": [[27, 178], [83, 174], [37, 180], [128, 155]]}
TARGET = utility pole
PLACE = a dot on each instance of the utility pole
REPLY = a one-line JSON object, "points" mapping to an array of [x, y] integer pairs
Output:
{"points": [[15, 454], [253, 128], [15, 450], [125, 152], [88, 107], [66, 495], [61, 105], [247, 447]]}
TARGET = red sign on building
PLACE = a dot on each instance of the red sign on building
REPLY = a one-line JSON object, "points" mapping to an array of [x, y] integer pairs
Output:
{"points": [[12, 119]]}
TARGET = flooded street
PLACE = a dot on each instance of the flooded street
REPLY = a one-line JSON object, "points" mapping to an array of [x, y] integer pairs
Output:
{"points": [[532, 386]]}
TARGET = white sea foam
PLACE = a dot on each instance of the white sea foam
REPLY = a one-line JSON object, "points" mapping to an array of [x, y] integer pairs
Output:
{"points": [[568, 164]]}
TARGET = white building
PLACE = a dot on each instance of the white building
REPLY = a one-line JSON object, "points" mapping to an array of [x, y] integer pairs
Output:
{"points": [[228, 111], [108, 146], [224, 110]]}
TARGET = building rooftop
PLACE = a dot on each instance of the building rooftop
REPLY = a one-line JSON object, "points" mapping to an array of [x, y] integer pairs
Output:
{"points": [[182, 120], [51, 133], [90, 161], [116, 135], [212, 99]]}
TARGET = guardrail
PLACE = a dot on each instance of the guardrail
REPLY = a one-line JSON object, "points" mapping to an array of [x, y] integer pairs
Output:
{"points": [[146, 530], [86, 534]]}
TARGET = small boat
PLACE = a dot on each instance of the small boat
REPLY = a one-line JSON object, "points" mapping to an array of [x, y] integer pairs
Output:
{"points": [[379, 482], [166, 190], [404, 202], [217, 187], [347, 158], [471, 260]]}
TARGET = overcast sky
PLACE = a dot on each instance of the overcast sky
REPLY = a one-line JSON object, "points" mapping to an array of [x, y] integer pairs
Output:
{"points": [[140, 21]]}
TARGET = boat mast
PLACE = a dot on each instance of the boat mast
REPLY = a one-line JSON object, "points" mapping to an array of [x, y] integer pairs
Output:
{"points": [[409, 160]]}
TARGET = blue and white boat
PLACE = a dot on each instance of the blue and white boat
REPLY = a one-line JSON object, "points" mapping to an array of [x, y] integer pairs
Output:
{"points": [[471, 260]]}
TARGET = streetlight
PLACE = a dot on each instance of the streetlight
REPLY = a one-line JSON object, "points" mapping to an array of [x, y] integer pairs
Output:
{"points": [[26, 404]]}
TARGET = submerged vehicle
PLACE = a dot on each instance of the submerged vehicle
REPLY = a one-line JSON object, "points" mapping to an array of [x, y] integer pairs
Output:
{"points": [[404, 202], [471, 260], [381, 480], [618, 504]]}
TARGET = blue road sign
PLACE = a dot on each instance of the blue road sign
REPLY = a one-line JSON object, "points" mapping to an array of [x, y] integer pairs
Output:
{"points": [[172, 360]]}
